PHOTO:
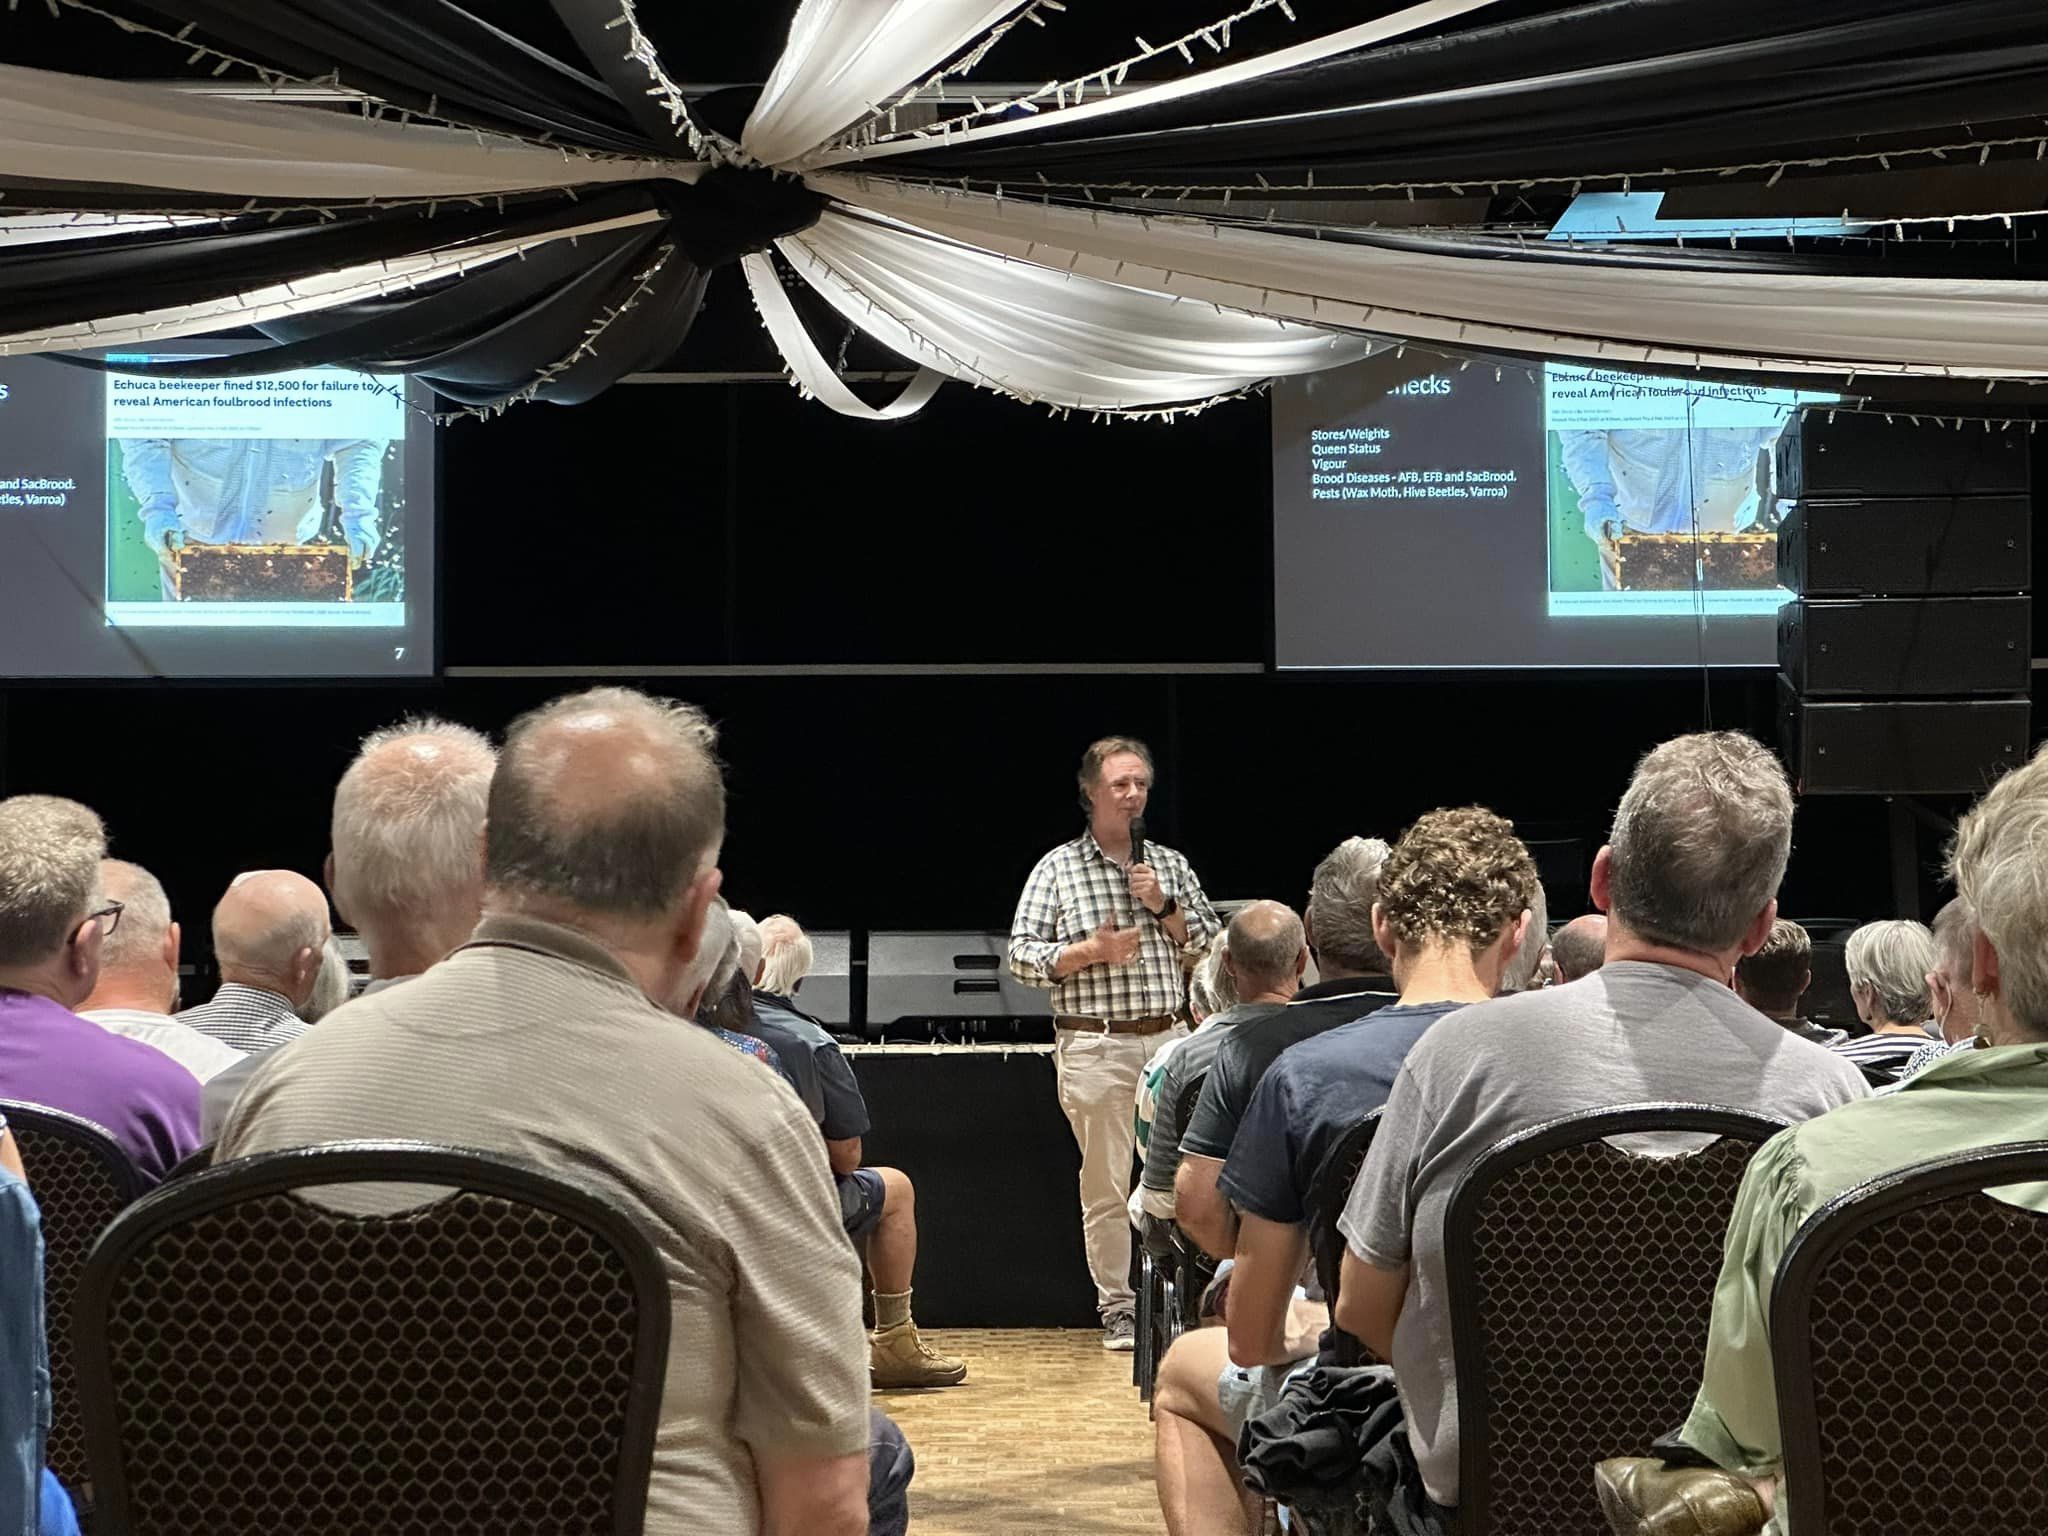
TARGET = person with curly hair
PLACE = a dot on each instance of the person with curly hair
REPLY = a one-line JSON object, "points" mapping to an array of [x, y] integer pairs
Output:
{"points": [[1454, 904]]}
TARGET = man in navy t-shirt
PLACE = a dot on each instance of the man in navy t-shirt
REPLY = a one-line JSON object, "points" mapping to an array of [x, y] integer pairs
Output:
{"points": [[1454, 900]]}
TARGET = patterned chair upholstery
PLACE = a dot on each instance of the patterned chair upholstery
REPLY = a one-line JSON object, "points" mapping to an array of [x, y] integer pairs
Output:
{"points": [[486, 1359], [1908, 1341], [1581, 1277]]}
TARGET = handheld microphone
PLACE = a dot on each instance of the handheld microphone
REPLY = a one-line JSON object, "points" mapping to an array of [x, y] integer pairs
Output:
{"points": [[1137, 839]]}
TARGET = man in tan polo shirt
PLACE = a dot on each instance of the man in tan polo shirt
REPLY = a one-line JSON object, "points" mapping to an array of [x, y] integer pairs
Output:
{"points": [[544, 1032]]}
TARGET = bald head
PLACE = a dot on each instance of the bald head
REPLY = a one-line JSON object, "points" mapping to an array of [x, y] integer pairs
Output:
{"points": [[1264, 949], [269, 931], [1580, 947], [606, 802]]}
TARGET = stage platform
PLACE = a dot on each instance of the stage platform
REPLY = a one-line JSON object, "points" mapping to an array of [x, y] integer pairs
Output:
{"points": [[978, 1128]]}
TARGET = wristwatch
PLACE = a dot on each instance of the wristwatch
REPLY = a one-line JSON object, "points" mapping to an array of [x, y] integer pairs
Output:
{"points": [[1172, 906]]}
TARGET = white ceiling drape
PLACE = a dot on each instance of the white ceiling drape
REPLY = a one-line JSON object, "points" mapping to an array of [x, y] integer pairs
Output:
{"points": [[1064, 339], [1725, 318], [53, 127]]}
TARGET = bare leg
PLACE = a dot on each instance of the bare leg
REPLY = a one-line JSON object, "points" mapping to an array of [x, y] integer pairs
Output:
{"points": [[1195, 1463], [892, 1246]]}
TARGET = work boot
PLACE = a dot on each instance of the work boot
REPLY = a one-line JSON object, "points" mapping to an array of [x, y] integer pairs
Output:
{"points": [[897, 1357]]}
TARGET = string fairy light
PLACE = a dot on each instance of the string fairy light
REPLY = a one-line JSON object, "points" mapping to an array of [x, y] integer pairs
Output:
{"points": [[1215, 35], [1471, 185]]}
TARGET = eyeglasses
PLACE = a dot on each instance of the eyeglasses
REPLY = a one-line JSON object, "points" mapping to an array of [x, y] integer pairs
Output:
{"points": [[108, 917]]}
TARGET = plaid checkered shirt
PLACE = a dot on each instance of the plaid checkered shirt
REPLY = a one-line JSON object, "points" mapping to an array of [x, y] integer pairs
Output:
{"points": [[1074, 890]]}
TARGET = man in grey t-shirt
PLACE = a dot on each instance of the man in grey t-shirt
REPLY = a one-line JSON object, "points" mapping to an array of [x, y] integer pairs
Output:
{"points": [[1688, 881]]}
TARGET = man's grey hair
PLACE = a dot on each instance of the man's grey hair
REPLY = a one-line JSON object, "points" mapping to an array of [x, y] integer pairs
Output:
{"points": [[145, 915], [1521, 970], [1212, 988], [1892, 959], [2000, 868], [633, 852], [1700, 842], [1261, 948], [1340, 898], [1955, 937], [1578, 948], [786, 954], [408, 824], [50, 852], [330, 984]]}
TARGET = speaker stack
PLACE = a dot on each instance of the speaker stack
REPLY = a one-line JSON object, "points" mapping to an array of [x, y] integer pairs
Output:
{"points": [[1906, 659]]}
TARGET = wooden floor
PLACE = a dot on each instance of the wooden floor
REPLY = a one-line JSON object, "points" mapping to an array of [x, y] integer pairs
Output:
{"points": [[1046, 1437]]}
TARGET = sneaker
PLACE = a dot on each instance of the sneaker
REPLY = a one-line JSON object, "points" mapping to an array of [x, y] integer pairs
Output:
{"points": [[897, 1357], [1120, 1332]]}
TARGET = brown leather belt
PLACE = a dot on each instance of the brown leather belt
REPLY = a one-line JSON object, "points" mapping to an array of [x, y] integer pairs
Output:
{"points": [[1151, 1026]]}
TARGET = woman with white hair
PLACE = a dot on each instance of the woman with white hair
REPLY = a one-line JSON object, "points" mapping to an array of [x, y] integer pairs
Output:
{"points": [[1888, 964]]}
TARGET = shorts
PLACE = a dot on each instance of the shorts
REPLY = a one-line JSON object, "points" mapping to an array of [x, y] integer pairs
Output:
{"points": [[860, 1201], [1245, 1392]]}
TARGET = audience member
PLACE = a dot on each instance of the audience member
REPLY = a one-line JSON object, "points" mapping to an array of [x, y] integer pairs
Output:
{"points": [[330, 984], [405, 859], [1948, 989], [718, 964], [1264, 953], [1688, 882], [1455, 900], [1888, 966], [1525, 966], [726, 1004], [1210, 991], [786, 956], [747, 933], [54, 920], [1775, 978], [1982, 1098], [877, 1205], [269, 933], [1579, 948], [137, 990], [1354, 981], [545, 1038]]}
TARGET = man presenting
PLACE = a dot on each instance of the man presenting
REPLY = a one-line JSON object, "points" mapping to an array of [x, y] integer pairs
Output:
{"points": [[1104, 924]]}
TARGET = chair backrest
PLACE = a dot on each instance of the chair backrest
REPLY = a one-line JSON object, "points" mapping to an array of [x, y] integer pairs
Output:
{"points": [[81, 1179], [489, 1358], [1580, 1280], [1907, 1339], [1190, 1095], [1328, 1193]]}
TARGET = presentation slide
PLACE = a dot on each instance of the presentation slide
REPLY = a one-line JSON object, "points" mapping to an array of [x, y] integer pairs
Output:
{"points": [[279, 525], [1432, 515]]}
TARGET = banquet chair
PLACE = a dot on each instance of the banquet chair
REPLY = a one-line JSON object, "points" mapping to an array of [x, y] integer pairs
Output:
{"points": [[1328, 1192], [1907, 1341], [1580, 1279], [372, 1339], [81, 1179]]}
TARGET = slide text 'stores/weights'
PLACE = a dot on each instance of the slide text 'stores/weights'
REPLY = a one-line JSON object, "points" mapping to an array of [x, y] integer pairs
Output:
{"points": [[1907, 655]]}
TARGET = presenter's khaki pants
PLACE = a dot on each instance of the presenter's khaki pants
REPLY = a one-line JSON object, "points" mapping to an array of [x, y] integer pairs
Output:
{"points": [[1098, 1082]]}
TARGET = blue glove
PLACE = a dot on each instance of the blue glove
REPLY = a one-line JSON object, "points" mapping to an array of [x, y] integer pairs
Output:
{"points": [[361, 530], [162, 529]]}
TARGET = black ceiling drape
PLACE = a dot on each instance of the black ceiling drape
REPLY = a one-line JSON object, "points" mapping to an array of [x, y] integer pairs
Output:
{"points": [[1619, 86]]}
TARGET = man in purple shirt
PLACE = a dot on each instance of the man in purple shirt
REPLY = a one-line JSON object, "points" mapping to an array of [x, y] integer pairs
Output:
{"points": [[53, 918]]}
